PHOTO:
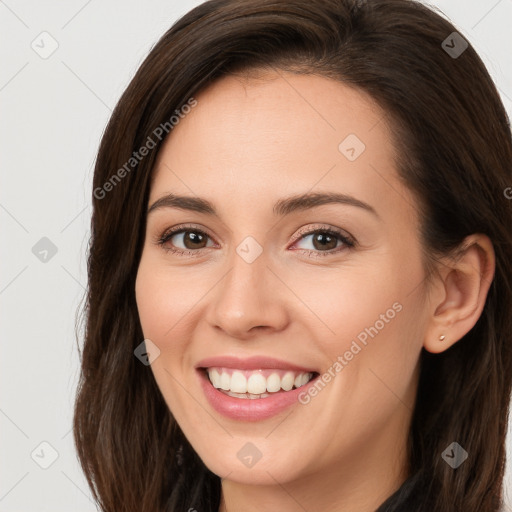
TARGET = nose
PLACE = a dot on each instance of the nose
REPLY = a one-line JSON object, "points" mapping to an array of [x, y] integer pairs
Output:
{"points": [[250, 299]]}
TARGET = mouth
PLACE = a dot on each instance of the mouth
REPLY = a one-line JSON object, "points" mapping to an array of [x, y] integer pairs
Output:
{"points": [[256, 384], [255, 388]]}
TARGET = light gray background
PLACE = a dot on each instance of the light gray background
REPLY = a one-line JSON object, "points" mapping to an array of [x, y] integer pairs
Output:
{"points": [[53, 114]]}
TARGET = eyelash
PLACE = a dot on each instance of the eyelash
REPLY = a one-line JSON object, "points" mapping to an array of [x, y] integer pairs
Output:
{"points": [[347, 241]]}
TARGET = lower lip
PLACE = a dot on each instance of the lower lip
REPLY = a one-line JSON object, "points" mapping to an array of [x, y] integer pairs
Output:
{"points": [[246, 409]]}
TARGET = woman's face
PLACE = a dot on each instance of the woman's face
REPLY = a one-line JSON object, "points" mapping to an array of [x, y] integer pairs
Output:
{"points": [[264, 288]]}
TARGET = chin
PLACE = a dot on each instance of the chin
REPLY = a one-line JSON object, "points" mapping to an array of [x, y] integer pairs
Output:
{"points": [[242, 462]]}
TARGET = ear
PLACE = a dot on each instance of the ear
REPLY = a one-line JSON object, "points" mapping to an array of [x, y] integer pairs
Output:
{"points": [[459, 293]]}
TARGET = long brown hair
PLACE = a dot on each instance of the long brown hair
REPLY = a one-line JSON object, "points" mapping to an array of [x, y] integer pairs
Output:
{"points": [[453, 150]]}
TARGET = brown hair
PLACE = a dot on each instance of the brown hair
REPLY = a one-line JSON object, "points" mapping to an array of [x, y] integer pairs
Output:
{"points": [[454, 151]]}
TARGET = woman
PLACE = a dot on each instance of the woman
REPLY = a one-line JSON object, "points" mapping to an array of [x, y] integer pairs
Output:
{"points": [[299, 290]]}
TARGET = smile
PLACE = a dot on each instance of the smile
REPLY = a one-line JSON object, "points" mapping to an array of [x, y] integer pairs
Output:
{"points": [[255, 384], [254, 388]]}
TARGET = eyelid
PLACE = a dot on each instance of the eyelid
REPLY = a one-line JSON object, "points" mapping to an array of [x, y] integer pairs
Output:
{"points": [[184, 227], [313, 228], [161, 239], [348, 240]]}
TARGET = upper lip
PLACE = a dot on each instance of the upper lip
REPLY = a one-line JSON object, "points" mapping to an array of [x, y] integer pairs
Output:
{"points": [[250, 363]]}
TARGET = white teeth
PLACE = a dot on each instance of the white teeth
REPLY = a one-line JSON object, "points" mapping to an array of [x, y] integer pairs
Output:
{"points": [[287, 381], [215, 378], [255, 385], [273, 383], [225, 382], [238, 383], [247, 395]]}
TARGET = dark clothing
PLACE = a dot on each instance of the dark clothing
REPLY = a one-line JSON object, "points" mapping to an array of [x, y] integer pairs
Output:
{"points": [[405, 499]]}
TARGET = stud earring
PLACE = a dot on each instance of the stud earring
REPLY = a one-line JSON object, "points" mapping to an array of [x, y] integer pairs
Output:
{"points": [[442, 337]]}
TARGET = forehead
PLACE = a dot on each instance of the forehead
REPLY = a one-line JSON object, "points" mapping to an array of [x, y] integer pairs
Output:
{"points": [[257, 136]]}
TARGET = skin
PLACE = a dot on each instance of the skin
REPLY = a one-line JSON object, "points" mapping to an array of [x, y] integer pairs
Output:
{"points": [[251, 141]]}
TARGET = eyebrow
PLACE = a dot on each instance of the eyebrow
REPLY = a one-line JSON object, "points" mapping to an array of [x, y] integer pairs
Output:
{"points": [[282, 207]]}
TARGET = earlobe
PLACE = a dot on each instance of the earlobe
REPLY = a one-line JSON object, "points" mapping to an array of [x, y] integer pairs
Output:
{"points": [[464, 283]]}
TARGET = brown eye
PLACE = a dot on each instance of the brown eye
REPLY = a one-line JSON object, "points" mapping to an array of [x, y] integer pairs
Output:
{"points": [[183, 240], [194, 239], [324, 241]]}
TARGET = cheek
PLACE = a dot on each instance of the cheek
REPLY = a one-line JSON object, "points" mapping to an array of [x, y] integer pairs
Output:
{"points": [[165, 302], [358, 303], [372, 317]]}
